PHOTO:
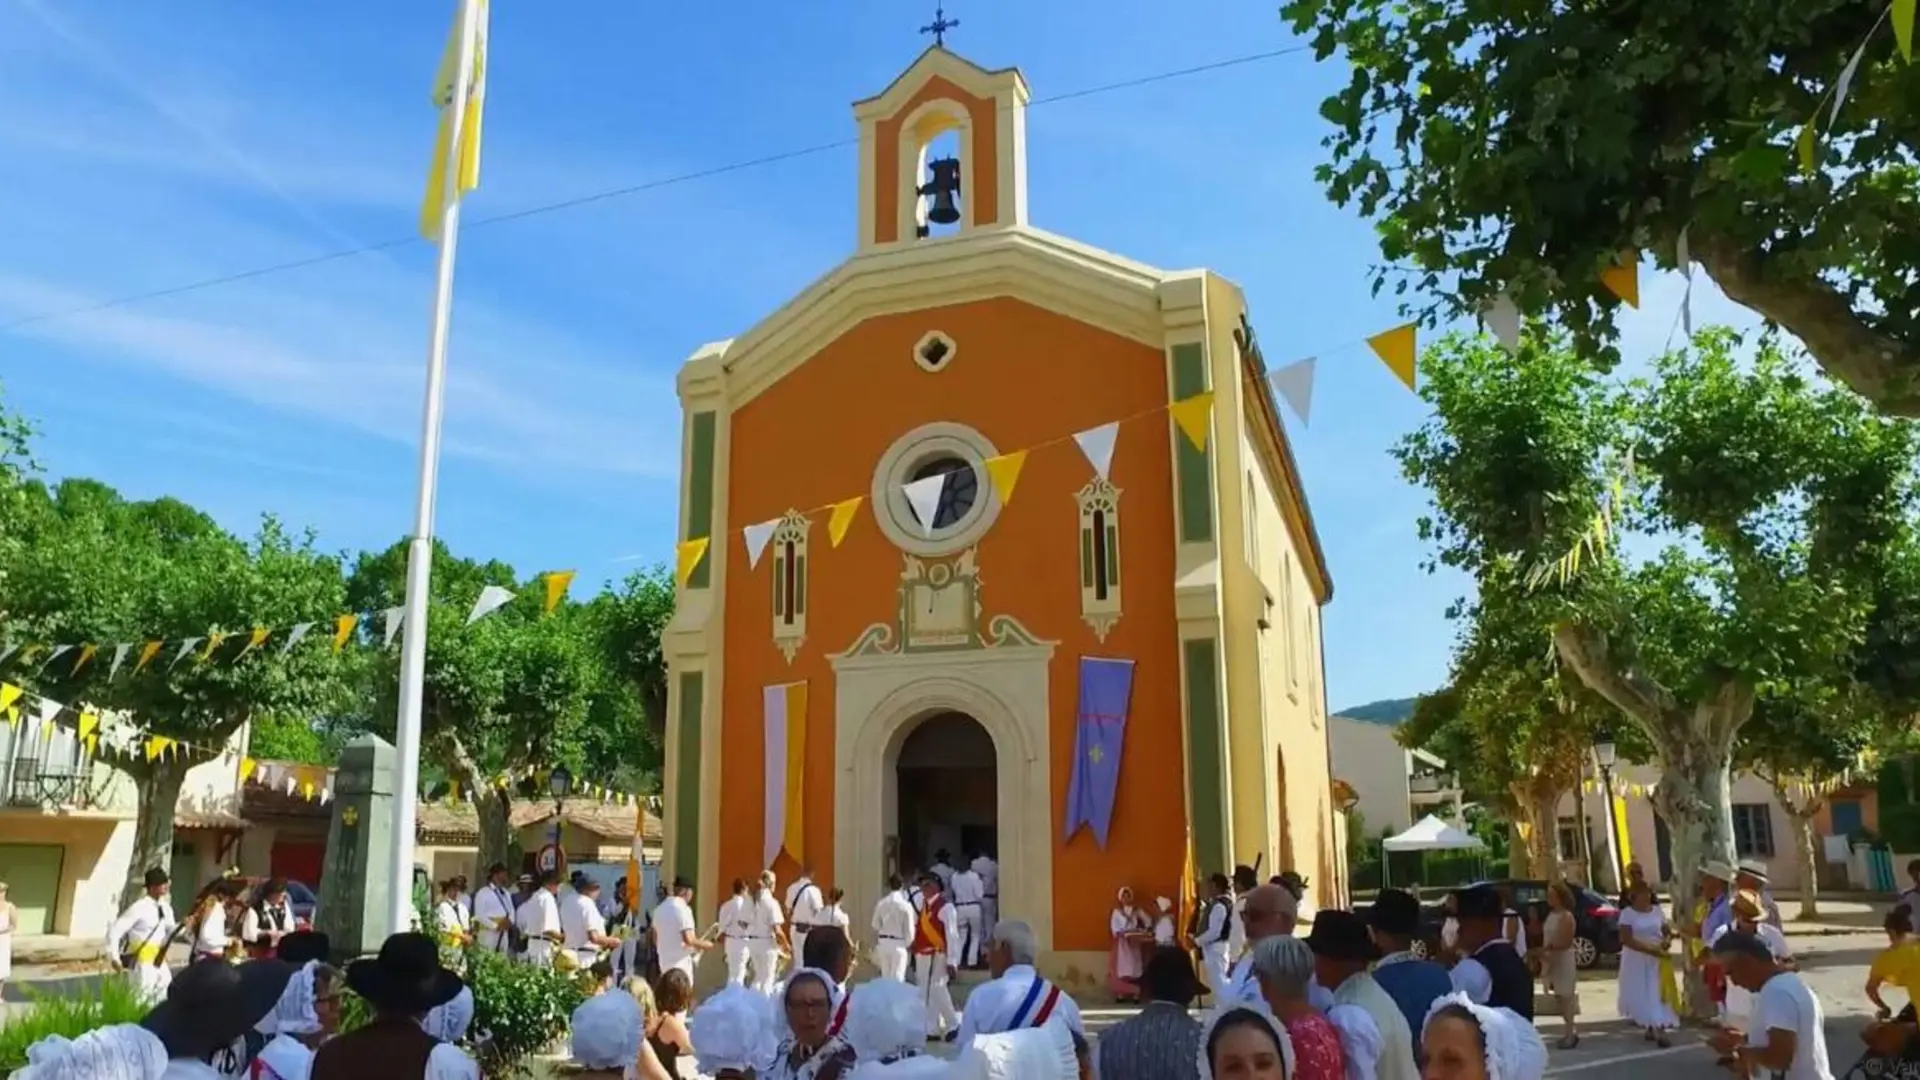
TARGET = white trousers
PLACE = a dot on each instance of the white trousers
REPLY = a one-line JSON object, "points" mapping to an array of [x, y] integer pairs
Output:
{"points": [[1214, 968], [150, 982], [930, 971], [990, 914], [539, 952], [765, 960], [799, 940], [891, 958], [973, 934], [736, 952]]}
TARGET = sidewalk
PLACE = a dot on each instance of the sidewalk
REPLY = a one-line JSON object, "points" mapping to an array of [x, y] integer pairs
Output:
{"points": [[1853, 914]]}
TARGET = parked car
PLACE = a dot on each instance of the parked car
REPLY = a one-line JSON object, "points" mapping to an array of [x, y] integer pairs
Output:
{"points": [[1596, 932]]}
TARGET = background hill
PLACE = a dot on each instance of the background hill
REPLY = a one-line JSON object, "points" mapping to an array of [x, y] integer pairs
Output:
{"points": [[1389, 711]]}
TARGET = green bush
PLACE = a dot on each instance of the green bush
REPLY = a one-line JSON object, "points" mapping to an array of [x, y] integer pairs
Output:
{"points": [[72, 1017], [518, 1010]]}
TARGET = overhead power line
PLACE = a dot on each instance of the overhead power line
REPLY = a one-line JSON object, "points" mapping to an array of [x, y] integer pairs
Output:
{"points": [[610, 193]]}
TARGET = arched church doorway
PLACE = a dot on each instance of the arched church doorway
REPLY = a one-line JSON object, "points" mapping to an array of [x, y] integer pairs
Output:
{"points": [[946, 794]]}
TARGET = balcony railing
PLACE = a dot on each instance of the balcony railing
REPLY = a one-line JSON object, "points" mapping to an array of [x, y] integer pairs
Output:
{"points": [[46, 770], [1435, 784]]}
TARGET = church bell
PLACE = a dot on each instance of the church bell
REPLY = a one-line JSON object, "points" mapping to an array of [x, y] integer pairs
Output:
{"points": [[944, 186]]}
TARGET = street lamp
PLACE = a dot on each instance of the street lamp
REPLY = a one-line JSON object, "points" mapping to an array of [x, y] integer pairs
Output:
{"points": [[1605, 754], [559, 783]]}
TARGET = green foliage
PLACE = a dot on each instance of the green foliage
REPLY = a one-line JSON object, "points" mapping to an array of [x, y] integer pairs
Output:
{"points": [[521, 1009], [277, 738], [631, 619], [1511, 147], [70, 1017]]}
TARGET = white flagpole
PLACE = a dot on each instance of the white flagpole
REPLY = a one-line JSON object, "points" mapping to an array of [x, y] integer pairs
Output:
{"points": [[413, 630]]}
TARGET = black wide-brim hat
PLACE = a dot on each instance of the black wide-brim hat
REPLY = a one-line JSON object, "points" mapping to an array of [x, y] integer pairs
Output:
{"points": [[302, 946], [405, 978], [212, 1004], [1341, 935]]}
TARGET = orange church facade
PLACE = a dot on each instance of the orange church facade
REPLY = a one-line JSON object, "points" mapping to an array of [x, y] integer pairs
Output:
{"points": [[858, 700]]}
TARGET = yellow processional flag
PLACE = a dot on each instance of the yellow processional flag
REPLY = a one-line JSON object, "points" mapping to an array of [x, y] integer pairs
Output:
{"points": [[446, 82]]}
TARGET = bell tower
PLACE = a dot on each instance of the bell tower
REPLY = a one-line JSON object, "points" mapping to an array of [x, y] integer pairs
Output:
{"points": [[908, 184]]}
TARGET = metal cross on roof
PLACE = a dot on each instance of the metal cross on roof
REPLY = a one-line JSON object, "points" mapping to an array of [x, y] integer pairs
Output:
{"points": [[940, 25]]}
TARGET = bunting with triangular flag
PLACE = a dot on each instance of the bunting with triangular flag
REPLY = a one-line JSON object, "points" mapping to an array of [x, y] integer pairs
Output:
{"points": [[1622, 279], [119, 657], [491, 599], [756, 536], [186, 649], [393, 617], [255, 639], [1502, 318], [687, 556], [923, 497], [557, 583], [1194, 415], [147, 652], [1294, 384], [87, 652], [1003, 472], [343, 629], [1398, 348], [842, 518], [1097, 444], [295, 636]]}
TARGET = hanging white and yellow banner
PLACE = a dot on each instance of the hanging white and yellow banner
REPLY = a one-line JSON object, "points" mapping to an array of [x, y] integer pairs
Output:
{"points": [[785, 708]]}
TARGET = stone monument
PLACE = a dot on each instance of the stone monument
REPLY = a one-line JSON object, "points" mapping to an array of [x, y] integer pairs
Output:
{"points": [[354, 891]]}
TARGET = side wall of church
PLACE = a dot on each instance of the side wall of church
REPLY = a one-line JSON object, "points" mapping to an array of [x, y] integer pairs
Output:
{"points": [[1025, 378]]}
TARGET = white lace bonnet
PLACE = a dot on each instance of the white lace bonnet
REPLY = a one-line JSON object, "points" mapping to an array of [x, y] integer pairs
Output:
{"points": [[606, 1031], [733, 1029], [119, 1052], [886, 1019], [1514, 1049], [1259, 1011]]}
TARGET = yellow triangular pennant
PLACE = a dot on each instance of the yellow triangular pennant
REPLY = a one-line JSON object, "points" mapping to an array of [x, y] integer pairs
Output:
{"points": [[156, 746], [1903, 28], [1194, 415], [89, 723], [9, 694], [87, 652], [46, 727], [1004, 471], [147, 652], [1622, 279], [1396, 348], [246, 769], [453, 791], [255, 640], [215, 639], [342, 627], [91, 742], [687, 556], [841, 519], [558, 582]]}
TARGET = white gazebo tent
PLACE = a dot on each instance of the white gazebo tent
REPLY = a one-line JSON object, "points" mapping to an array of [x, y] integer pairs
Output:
{"points": [[1428, 834]]}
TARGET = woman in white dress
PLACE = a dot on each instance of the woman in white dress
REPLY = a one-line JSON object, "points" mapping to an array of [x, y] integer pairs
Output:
{"points": [[9, 918], [1645, 937], [1129, 926]]}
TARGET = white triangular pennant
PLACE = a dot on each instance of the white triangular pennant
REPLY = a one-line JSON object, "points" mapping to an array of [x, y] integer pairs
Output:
{"points": [[58, 652], [1097, 444], [491, 599], [924, 496], [7, 653], [1683, 256], [757, 537], [1294, 384], [326, 795], [393, 616], [119, 657], [1845, 82], [1503, 321], [186, 647], [294, 637], [47, 710]]}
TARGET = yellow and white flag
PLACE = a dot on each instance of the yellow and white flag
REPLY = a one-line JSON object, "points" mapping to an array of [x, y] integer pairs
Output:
{"points": [[446, 84]]}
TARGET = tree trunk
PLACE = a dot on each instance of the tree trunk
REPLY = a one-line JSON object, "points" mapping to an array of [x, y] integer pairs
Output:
{"points": [[1695, 750], [157, 787], [492, 807], [1544, 809], [1809, 861], [1519, 845], [1880, 367]]}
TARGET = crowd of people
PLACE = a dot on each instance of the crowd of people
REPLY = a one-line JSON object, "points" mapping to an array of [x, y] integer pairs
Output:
{"points": [[1352, 999]]}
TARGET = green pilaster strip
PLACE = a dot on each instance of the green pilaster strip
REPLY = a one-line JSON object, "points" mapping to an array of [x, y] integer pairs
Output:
{"points": [[1196, 479], [1206, 765], [700, 495], [686, 796]]}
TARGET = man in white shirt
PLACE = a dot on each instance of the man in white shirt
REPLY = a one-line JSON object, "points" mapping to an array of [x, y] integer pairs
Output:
{"points": [[766, 935], [137, 943], [583, 927], [674, 938], [804, 904], [1216, 919], [936, 951], [893, 920], [1244, 882], [1788, 1037], [539, 920], [942, 868], [1266, 911], [493, 912], [1017, 997], [451, 918], [735, 919], [968, 892], [989, 872]]}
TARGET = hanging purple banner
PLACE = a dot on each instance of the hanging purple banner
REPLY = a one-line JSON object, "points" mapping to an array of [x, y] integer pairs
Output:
{"points": [[1106, 688]]}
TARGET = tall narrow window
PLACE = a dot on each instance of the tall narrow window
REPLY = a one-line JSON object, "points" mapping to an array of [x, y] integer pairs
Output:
{"points": [[790, 583], [1099, 555], [1292, 627]]}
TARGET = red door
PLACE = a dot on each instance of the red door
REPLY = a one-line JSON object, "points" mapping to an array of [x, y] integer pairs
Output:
{"points": [[299, 860]]}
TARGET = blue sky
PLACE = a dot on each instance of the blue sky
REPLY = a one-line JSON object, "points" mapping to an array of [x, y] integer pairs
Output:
{"points": [[146, 146]]}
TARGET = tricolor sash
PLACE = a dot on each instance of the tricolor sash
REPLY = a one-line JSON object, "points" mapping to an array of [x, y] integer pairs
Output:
{"points": [[1027, 1015], [839, 1015]]}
